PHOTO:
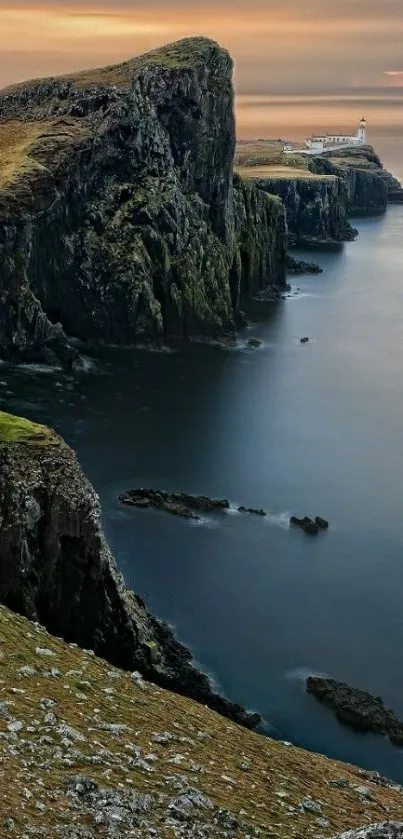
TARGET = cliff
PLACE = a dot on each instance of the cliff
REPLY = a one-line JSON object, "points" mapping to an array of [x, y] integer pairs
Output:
{"points": [[56, 567], [369, 186], [88, 751], [316, 204], [118, 221]]}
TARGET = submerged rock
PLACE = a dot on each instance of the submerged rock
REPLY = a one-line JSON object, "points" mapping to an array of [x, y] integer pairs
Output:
{"points": [[357, 708], [304, 340]]}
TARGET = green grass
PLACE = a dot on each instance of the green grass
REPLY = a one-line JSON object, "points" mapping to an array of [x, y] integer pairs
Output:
{"points": [[20, 430]]}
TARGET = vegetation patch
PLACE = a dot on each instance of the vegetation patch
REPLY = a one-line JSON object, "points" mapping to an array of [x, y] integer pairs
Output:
{"points": [[20, 430], [280, 173], [27, 148]]}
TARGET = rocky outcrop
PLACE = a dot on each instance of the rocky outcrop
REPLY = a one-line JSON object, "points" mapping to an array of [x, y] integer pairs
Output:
{"points": [[118, 216], [383, 830], [178, 503], [55, 567], [316, 207], [369, 186], [357, 708], [299, 266]]}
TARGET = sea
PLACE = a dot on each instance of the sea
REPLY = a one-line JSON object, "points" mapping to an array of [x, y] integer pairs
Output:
{"points": [[313, 429]]}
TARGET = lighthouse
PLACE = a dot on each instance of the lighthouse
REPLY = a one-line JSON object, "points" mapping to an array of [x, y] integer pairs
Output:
{"points": [[362, 132]]}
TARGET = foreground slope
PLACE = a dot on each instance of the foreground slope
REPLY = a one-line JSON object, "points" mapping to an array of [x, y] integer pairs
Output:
{"points": [[117, 215], [90, 751]]}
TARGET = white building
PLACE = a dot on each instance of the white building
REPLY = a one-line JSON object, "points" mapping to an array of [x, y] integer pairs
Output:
{"points": [[330, 142]]}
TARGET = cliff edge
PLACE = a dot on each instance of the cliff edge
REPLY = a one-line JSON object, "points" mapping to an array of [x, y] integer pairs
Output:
{"points": [[56, 567], [119, 220]]}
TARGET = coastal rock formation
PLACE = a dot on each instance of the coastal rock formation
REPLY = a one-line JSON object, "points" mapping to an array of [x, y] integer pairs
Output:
{"points": [[55, 566], [369, 186], [357, 708], [119, 220], [178, 503], [316, 207], [299, 266]]}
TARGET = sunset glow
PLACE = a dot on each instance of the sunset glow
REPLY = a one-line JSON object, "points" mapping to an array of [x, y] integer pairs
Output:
{"points": [[276, 47]]}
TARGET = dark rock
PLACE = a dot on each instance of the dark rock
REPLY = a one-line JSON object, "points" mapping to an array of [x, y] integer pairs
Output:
{"points": [[254, 343], [56, 568], [369, 186], [316, 208], [304, 340], [357, 708], [321, 523], [177, 503], [252, 511], [298, 266], [306, 524], [130, 228]]}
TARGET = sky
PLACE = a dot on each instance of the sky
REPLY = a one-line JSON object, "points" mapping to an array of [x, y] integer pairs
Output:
{"points": [[291, 46]]}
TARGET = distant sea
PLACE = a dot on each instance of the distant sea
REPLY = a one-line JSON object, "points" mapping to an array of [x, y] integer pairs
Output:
{"points": [[295, 117]]}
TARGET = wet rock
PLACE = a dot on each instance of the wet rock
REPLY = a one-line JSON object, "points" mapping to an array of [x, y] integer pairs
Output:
{"points": [[298, 266], [306, 524], [253, 343], [304, 340], [252, 511], [176, 503], [321, 523], [357, 708]]}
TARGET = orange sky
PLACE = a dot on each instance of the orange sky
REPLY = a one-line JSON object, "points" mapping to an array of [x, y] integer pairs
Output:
{"points": [[295, 45]]}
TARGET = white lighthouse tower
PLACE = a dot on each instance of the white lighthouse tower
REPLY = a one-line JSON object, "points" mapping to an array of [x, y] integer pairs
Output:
{"points": [[362, 132]]}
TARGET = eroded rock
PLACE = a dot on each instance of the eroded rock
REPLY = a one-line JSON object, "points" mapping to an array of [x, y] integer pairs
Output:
{"points": [[357, 708]]}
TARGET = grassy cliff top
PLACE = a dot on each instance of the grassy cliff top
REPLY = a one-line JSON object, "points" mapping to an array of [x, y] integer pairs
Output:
{"points": [[187, 53], [20, 430], [148, 758], [278, 172]]}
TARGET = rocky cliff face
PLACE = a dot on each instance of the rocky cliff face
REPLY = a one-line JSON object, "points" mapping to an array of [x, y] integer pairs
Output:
{"points": [[369, 186], [316, 207], [117, 211], [56, 567]]}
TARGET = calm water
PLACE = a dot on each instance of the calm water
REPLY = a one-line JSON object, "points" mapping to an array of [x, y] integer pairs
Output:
{"points": [[313, 429]]}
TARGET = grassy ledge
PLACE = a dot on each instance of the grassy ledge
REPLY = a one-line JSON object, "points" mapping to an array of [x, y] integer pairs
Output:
{"points": [[19, 430]]}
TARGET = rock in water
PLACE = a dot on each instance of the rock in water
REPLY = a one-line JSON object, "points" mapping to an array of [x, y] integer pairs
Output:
{"points": [[357, 708], [321, 523], [306, 524], [304, 340], [178, 503], [56, 567], [123, 223]]}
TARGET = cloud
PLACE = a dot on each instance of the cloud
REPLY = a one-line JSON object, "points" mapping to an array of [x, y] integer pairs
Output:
{"points": [[276, 46]]}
